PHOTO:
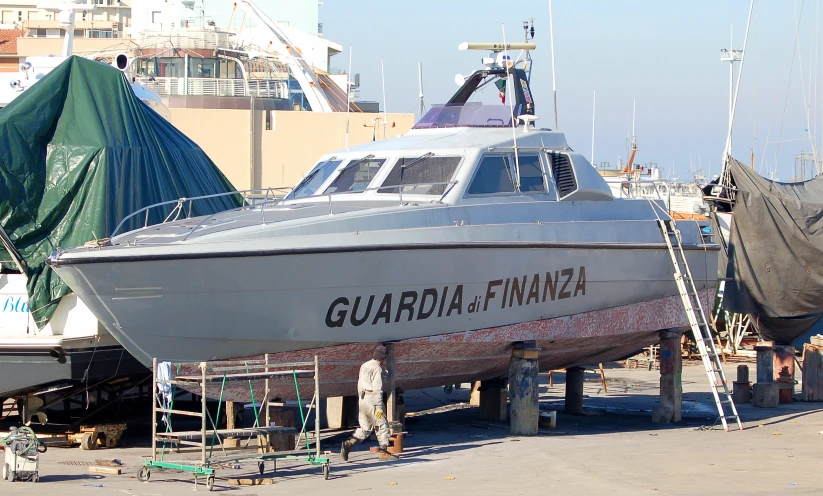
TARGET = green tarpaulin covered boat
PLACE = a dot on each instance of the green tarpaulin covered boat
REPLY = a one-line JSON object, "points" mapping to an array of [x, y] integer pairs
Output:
{"points": [[79, 152]]}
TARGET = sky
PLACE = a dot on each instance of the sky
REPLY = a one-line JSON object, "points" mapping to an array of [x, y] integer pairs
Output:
{"points": [[663, 55]]}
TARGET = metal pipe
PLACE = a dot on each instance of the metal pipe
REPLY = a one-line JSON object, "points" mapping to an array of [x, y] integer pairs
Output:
{"points": [[317, 405], [203, 366], [154, 409], [252, 138]]}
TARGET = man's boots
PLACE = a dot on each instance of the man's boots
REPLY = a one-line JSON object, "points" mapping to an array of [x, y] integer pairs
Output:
{"points": [[345, 448], [384, 454]]}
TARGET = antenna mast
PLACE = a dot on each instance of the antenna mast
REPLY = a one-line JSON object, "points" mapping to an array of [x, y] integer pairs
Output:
{"points": [[420, 86], [383, 79], [554, 73], [594, 108], [348, 97]]}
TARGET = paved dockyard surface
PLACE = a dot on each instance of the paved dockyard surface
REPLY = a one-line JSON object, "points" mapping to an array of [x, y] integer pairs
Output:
{"points": [[613, 449]]}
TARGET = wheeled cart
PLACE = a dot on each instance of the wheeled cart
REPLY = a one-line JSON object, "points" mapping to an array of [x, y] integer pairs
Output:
{"points": [[207, 438]]}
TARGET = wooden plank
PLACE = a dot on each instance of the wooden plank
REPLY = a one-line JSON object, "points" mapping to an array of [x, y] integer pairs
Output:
{"points": [[180, 412], [251, 481], [94, 469]]}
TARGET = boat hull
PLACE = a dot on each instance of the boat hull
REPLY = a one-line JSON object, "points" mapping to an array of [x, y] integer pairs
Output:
{"points": [[588, 338], [27, 368], [214, 307]]}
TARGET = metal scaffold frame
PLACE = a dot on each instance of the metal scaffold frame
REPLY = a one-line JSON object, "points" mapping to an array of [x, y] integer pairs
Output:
{"points": [[209, 438]]}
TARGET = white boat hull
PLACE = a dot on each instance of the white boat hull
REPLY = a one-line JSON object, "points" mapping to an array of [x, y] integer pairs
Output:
{"points": [[234, 306]]}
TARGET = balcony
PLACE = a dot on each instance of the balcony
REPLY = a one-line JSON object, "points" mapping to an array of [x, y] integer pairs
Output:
{"points": [[173, 86]]}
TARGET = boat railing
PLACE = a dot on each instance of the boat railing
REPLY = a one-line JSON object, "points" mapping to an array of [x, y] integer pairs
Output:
{"points": [[185, 204], [630, 188], [449, 185]]}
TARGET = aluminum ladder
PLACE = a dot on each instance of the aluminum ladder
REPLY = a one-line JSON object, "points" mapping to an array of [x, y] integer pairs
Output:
{"points": [[700, 326]]}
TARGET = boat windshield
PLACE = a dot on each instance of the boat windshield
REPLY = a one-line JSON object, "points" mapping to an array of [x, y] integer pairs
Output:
{"points": [[472, 114], [308, 186], [356, 175]]}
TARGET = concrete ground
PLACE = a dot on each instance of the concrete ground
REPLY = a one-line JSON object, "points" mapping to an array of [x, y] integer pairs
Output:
{"points": [[613, 449]]}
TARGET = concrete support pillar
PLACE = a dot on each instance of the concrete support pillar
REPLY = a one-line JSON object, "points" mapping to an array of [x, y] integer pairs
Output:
{"points": [[341, 412], [493, 400], [670, 408], [765, 361], [765, 393], [742, 391], [523, 392], [574, 390]]}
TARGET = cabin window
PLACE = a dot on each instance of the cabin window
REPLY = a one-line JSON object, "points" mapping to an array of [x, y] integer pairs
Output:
{"points": [[531, 174], [308, 186], [493, 176], [356, 175], [418, 173]]}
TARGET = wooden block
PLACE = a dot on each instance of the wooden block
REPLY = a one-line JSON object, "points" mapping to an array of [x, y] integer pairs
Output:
{"points": [[474, 398], [251, 481], [812, 373], [526, 354], [94, 469]]}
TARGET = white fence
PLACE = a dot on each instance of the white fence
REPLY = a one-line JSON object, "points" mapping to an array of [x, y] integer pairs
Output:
{"points": [[266, 88]]}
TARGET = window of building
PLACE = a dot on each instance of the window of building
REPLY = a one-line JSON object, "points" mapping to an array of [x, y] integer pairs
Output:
{"points": [[419, 171], [38, 33], [492, 176], [99, 33], [356, 175], [19, 15], [156, 17], [531, 174], [79, 33], [84, 15]]}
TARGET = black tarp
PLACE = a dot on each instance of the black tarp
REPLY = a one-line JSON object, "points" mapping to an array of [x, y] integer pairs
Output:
{"points": [[775, 269], [78, 152]]}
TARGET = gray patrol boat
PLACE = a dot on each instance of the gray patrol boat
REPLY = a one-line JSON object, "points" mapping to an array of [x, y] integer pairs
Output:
{"points": [[472, 232]]}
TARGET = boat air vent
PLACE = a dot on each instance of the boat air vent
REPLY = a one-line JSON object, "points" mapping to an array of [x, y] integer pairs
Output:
{"points": [[563, 174]]}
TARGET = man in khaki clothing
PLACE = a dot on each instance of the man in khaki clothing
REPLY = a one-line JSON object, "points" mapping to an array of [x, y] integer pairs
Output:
{"points": [[372, 415]]}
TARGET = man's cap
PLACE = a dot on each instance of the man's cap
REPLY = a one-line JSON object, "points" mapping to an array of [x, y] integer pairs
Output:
{"points": [[379, 353]]}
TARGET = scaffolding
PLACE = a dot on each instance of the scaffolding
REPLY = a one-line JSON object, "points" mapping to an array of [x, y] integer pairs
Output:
{"points": [[165, 384]]}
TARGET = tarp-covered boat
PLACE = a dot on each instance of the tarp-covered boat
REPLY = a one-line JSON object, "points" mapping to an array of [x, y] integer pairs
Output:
{"points": [[78, 152], [775, 251]]}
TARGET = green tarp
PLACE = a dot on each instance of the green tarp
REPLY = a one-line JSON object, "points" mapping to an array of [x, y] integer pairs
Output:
{"points": [[79, 152]]}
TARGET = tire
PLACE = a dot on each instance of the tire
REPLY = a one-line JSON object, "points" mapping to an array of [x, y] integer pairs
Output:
{"points": [[144, 474], [448, 388], [210, 482], [326, 471], [6, 471], [261, 467], [88, 442], [35, 477]]}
